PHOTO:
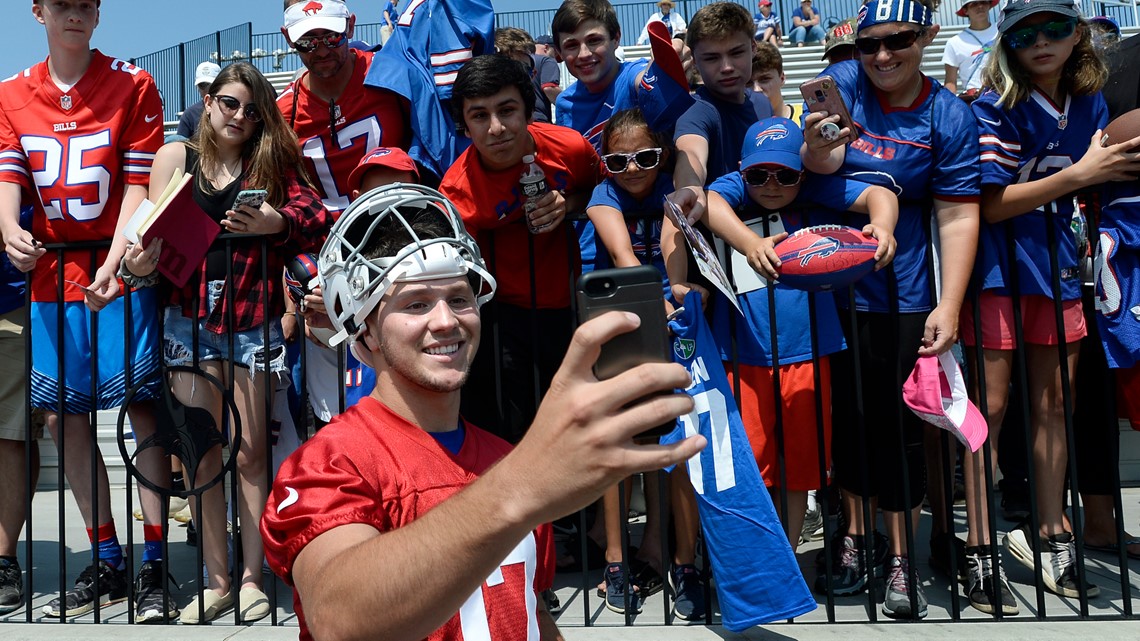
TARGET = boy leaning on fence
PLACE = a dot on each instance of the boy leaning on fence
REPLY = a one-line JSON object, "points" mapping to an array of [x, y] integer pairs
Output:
{"points": [[78, 133]]}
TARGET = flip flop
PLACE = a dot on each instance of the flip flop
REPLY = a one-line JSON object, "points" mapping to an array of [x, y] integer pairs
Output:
{"points": [[1114, 549]]}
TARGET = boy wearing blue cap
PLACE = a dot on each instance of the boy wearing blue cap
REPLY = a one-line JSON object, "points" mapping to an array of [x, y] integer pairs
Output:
{"points": [[751, 210]]}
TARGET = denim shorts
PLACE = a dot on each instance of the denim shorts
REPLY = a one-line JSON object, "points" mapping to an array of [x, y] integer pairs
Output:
{"points": [[178, 340]]}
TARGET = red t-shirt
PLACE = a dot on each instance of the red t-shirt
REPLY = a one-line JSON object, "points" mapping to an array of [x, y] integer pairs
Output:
{"points": [[74, 153], [366, 118], [371, 466], [492, 208]]}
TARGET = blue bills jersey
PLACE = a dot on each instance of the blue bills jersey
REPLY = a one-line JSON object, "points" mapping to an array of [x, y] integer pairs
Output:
{"points": [[920, 152], [1030, 141], [1117, 274], [757, 577]]}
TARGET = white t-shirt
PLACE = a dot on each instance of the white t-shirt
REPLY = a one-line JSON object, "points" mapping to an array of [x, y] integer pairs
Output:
{"points": [[968, 51]]}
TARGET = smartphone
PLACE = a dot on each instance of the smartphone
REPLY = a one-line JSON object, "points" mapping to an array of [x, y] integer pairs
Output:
{"points": [[821, 94], [631, 289], [252, 197]]}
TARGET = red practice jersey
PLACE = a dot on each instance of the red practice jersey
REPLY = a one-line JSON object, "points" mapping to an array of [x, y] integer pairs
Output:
{"points": [[371, 466], [74, 153], [364, 118]]}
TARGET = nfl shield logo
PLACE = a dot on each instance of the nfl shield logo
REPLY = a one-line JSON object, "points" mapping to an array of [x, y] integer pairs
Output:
{"points": [[65, 102]]}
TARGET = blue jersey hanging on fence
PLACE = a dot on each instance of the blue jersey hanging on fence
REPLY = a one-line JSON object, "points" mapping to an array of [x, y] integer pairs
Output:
{"points": [[757, 577], [1117, 274], [432, 40]]}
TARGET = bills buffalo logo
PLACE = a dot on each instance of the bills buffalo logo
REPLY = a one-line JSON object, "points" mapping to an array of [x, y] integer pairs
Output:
{"points": [[312, 9], [684, 348], [774, 132], [823, 248], [379, 153]]}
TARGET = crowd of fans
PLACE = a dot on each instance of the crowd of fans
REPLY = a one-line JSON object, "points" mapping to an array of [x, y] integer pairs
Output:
{"points": [[970, 187]]}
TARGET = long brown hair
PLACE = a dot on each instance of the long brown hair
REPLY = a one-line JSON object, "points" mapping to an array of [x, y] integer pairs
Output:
{"points": [[270, 154], [1084, 72]]}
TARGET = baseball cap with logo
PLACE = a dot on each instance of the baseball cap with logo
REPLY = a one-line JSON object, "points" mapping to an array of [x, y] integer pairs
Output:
{"points": [[842, 35], [390, 157], [936, 392], [206, 72], [306, 16], [774, 141], [961, 12], [1015, 11]]}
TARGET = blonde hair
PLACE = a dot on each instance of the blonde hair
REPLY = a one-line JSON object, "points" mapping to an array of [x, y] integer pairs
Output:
{"points": [[270, 154], [1084, 72]]}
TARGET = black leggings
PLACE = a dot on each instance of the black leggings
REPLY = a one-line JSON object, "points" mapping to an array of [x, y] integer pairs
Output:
{"points": [[869, 458]]}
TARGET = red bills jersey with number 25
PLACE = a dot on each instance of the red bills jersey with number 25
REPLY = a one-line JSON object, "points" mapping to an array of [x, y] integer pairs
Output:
{"points": [[371, 466], [76, 151]]}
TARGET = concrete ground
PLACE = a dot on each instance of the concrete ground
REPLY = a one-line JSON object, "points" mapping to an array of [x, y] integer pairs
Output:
{"points": [[584, 617]]}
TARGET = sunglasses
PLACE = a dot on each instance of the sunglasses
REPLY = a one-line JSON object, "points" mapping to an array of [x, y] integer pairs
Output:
{"points": [[1053, 30], [894, 42], [309, 44], [645, 158], [759, 176], [230, 105]]}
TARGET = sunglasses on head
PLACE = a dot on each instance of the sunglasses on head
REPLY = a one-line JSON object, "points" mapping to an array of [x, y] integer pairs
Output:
{"points": [[616, 163], [1024, 37], [309, 44], [894, 42], [759, 176], [230, 105]]}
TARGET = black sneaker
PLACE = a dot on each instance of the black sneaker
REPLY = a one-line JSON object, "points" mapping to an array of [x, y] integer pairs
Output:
{"points": [[688, 593], [191, 535], [11, 586], [849, 576], [553, 605], [987, 594], [152, 603], [111, 588], [614, 578], [1058, 561], [897, 604], [941, 547]]}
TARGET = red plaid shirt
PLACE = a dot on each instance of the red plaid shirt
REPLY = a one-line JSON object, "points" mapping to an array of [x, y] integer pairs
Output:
{"points": [[307, 224]]}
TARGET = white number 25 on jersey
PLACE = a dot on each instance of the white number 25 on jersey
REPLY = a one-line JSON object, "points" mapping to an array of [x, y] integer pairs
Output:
{"points": [[55, 164]]}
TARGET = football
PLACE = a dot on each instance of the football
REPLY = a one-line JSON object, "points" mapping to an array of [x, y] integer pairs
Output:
{"points": [[825, 257], [1125, 127], [300, 276]]}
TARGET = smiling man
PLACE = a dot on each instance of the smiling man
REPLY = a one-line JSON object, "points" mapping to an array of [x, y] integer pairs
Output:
{"points": [[494, 100], [400, 500]]}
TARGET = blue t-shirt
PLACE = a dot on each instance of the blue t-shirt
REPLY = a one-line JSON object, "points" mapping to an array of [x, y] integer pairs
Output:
{"points": [[723, 125], [12, 280], [820, 197], [587, 113], [644, 234], [920, 152], [1033, 140], [393, 15], [763, 23]]}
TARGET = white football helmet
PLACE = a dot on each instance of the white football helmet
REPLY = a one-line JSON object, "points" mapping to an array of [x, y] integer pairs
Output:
{"points": [[352, 285]]}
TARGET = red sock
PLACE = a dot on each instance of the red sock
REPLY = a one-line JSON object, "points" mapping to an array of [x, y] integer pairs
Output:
{"points": [[106, 533]]}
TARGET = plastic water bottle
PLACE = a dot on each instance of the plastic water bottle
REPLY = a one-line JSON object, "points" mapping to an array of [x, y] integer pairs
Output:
{"points": [[533, 186]]}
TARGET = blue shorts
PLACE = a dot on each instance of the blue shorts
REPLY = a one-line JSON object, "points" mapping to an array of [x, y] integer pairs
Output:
{"points": [[109, 350], [178, 340]]}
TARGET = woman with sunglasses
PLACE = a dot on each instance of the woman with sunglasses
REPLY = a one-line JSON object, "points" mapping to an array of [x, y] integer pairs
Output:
{"points": [[1039, 127], [242, 143], [915, 138]]}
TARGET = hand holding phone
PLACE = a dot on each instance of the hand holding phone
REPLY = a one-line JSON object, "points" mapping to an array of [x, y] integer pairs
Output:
{"points": [[631, 289], [821, 94]]}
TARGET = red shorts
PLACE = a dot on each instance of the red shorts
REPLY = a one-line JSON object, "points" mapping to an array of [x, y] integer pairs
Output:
{"points": [[801, 442], [1128, 395], [1038, 320]]}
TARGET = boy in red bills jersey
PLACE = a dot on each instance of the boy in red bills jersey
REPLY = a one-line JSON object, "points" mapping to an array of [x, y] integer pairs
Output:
{"points": [[400, 493], [78, 133], [337, 118]]}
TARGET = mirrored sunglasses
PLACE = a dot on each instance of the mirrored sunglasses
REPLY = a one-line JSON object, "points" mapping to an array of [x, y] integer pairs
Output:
{"points": [[616, 163], [759, 176], [894, 42], [309, 44], [1054, 30], [230, 105]]}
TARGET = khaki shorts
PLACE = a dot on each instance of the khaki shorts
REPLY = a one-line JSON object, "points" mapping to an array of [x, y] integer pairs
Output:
{"points": [[14, 380]]}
